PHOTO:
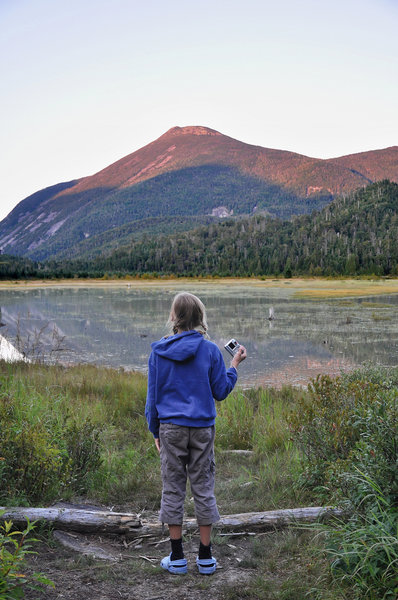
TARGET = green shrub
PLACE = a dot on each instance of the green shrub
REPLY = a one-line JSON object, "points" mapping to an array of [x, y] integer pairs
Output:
{"points": [[375, 454], [336, 419], [347, 431], [345, 424], [74, 431], [14, 548]]}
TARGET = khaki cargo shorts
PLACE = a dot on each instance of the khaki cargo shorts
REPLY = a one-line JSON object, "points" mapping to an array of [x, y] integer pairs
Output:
{"points": [[187, 452]]}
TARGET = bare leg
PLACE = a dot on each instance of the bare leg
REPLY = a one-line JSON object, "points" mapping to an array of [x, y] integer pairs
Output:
{"points": [[175, 532], [205, 533]]}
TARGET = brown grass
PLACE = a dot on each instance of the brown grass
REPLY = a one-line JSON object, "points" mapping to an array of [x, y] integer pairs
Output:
{"points": [[311, 287]]}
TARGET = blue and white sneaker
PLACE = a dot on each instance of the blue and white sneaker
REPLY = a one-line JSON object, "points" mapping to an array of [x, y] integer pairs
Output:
{"points": [[206, 566], [177, 567]]}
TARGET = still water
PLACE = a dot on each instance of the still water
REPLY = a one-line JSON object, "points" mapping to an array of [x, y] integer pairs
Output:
{"points": [[114, 326]]}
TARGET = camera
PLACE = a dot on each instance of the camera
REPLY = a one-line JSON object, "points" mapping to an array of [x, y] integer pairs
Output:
{"points": [[232, 347]]}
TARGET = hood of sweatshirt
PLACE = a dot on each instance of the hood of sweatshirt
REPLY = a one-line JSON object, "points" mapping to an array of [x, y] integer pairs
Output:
{"points": [[179, 347]]}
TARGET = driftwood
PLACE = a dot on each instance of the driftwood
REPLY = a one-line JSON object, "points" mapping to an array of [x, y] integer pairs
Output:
{"points": [[132, 525]]}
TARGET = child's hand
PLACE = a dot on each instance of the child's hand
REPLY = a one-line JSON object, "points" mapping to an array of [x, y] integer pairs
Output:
{"points": [[239, 356], [157, 444]]}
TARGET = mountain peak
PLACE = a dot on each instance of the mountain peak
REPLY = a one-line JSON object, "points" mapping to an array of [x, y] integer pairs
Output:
{"points": [[190, 172], [192, 130]]}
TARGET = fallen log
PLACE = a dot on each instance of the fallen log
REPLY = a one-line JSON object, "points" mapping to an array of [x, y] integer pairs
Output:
{"points": [[276, 518], [71, 519], [132, 525]]}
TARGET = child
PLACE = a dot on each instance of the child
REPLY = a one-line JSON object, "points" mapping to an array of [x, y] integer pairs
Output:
{"points": [[186, 373]]}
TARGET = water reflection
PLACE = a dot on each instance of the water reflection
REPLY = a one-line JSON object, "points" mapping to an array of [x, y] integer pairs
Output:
{"points": [[115, 326]]}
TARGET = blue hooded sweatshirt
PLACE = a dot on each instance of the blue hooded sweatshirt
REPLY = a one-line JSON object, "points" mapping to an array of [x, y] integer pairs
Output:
{"points": [[186, 373]]}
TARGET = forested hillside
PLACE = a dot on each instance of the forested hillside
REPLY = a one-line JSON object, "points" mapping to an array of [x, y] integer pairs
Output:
{"points": [[16, 267], [357, 234], [180, 199]]}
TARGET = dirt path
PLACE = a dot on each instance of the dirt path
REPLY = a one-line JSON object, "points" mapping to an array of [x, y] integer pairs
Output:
{"points": [[137, 574]]}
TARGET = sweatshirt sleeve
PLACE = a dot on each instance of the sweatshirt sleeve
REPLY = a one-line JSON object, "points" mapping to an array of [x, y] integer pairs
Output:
{"points": [[151, 412], [222, 381]]}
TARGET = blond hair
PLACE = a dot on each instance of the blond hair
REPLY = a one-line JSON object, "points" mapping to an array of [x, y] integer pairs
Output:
{"points": [[187, 312]]}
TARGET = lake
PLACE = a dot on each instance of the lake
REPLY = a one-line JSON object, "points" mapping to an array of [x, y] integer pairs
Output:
{"points": [[114, 326]]}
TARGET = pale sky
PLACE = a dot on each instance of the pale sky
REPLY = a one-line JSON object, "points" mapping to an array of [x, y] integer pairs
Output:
{"points": [[86, 82]]}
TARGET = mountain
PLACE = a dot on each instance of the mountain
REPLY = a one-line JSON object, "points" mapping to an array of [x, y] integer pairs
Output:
{"points": [[186, 175]]}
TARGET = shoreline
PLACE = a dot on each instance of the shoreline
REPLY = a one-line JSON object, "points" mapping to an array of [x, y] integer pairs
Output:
{"points": [[311, 287]]}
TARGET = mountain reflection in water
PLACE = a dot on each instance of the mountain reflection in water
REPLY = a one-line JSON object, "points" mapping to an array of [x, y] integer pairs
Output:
{"points": [[114, 326]]}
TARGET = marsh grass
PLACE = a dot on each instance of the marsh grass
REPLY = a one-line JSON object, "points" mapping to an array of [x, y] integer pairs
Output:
{"points": [[88, 436], [365, 304], [376, 317], [74, 430], [256, 420], [345, 288]]}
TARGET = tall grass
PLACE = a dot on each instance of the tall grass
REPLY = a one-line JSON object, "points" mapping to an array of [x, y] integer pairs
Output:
{"points": [[81, 431], [364, 551], [256, 420], [68, 432]]}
